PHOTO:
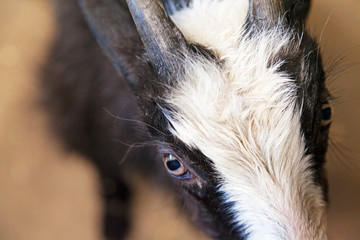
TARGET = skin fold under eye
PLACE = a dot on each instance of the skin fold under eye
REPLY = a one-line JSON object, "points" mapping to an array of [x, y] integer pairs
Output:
{"points": [[175, 167]]}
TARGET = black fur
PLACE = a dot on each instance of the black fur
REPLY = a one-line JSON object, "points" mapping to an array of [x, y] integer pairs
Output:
{"points": [[83, 93], [81, 87]]}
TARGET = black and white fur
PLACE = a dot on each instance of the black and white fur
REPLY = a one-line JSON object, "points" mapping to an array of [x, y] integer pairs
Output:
{"points": [[233, 88]]}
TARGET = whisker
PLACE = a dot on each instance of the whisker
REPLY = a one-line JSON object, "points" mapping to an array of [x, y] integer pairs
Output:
{"points": [[343, 159], [325, 25], [338, 66], [123, 159], [136, 145], [322, 34], [135, 121], [133, 145]]}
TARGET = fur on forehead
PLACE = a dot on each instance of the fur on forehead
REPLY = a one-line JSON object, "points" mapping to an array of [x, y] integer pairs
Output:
{"points": [[244, 115], [246, 119]]}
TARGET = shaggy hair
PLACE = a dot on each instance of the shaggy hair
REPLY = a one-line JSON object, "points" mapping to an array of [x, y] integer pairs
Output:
{"points": [[251, 131]]}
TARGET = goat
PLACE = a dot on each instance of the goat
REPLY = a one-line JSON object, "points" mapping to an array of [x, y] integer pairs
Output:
{"points": [[232, 92]]}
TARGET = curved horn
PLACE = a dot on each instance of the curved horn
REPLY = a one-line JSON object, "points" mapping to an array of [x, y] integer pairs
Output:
{"points": [[265, 10], [161, 38], [270, 11]]}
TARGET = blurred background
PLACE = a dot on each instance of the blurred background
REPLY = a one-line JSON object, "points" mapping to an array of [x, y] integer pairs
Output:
{"points": [[47, 193]]}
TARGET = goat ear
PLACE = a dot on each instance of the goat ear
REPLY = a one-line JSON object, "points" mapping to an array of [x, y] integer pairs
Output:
{"points": [[270, 11], [116, 33]]}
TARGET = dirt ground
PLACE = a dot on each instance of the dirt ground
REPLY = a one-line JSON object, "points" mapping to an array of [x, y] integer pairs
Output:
{"points": [[49, 194]]}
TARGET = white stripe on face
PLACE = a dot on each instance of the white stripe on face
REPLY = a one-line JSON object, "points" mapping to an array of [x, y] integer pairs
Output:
{"points": [[245, 118]]}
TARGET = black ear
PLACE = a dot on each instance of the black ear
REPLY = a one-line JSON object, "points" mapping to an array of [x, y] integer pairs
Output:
{"points": [[113, 28]]}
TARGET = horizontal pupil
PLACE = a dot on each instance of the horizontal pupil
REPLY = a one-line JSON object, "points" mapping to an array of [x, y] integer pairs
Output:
{"points": [[326, 113], [173, 165]]}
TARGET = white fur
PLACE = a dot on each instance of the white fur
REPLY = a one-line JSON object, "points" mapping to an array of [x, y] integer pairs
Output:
{"points": [[244, 116], [212, 23]]}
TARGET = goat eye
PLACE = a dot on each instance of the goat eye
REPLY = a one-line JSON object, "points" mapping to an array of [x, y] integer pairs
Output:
{"points": [[326, 114], [174, 166]]}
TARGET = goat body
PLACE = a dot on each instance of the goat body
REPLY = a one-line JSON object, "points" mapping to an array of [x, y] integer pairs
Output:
{"points": [[231, 91]]}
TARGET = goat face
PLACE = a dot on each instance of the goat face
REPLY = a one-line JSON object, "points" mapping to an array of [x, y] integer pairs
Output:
{"points": [[233, 92]]}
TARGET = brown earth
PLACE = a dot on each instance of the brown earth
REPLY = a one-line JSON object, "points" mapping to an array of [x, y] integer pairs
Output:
{"points": [[49, 194]]}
